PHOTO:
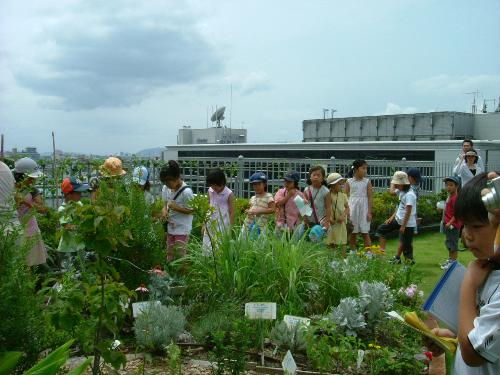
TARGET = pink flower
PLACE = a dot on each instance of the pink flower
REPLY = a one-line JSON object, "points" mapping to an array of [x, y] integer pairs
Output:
{"points": [[142, 289], [158, 272]]}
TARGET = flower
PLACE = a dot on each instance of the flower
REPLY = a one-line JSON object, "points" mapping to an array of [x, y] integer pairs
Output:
{"points": [[158, 271], [374, 346], [142, 289], [428, 355]]}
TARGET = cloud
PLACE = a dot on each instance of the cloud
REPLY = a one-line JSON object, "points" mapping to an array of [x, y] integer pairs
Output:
{"points": [[457, 85], [250, 83], [116, 60], [395, 109]]}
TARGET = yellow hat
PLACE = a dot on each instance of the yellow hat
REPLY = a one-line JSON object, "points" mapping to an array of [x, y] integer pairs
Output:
{"points": [[112, 167]]}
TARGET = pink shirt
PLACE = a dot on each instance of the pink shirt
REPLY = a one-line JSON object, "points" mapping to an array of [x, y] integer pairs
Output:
{"points": [[220, 201], [290, 209]]}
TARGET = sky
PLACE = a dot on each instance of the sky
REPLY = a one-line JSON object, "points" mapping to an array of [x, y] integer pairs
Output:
{"points": [[121, 76]]}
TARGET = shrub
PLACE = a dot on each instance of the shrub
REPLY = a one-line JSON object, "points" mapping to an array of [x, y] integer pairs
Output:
{"points": [[158, 326], [286, 338]]}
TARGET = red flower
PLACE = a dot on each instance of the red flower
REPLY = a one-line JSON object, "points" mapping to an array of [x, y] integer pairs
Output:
{"points": [[428, 355]]}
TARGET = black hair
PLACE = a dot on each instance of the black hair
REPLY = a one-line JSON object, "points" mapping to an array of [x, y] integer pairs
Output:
{"points": [[314, 169], [216, 176], [19, 177], [466, 140], [469, 205], [405, 187], [147, 186], [170, 171], [356, 164]]}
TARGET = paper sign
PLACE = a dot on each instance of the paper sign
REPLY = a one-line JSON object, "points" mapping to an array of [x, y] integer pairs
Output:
{"points": [[293, 321], [260, 310], [288, 364], [139, 307], [359, 360]]}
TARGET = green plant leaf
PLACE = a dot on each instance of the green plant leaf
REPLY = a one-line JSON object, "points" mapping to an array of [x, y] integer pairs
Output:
{"points": [[50, 364], [80, 369], [8, 362]]}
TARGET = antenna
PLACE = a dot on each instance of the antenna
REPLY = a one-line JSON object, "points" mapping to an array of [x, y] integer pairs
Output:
{"points": [[332, 111], [230, 116], [473, 106], [325, 111], [485, 106]]}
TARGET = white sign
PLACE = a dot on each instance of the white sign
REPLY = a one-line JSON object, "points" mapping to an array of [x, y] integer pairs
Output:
{"points": [[288, 364], [139, 307], [260, 310], [293, 321]]}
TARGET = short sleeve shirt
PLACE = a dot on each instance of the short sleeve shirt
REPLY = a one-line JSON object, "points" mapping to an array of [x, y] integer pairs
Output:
{"points": [[407, 199], [179, 223], [261, 202]]}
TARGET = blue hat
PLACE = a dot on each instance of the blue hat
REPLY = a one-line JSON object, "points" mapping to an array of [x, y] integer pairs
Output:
{"points": [[140, 175], [258, 177], [454, 179], [415, 173], [292, 176]]}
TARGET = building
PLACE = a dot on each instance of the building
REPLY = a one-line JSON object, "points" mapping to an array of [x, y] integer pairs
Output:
{"points": [[404, 127], [214, 135], [28, 152]]}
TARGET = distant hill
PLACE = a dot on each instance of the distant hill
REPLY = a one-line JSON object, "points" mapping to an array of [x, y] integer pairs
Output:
{"points": [[150, 152]]}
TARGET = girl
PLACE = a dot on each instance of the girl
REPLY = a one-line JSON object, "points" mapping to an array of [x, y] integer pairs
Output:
{"points": [[404, 219], [318, 195], [261, 204], [468, 167], [359, 190], [176, 210], [337, 234], [222, 201], [478, 351], [140, 176], [28, 200], [287, 213]]}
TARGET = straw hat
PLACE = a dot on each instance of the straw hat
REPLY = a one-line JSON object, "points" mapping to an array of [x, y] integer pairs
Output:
{"points": [[400, 178], [334, 178], [112, 167]]}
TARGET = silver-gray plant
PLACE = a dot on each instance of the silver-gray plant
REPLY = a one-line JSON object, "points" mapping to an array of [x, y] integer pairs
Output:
{"points": [[158, 326], [374, 299], [348, 316]]}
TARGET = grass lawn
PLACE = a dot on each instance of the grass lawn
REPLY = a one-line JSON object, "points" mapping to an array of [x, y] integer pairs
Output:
{"points": [[429, 251]]}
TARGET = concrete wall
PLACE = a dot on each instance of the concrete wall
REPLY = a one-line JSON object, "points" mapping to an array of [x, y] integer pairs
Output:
{"points": [[211, 136], [487, 126]]}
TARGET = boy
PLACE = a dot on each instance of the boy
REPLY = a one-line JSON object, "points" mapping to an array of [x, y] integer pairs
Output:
{"points": [[404, 219], [72, 189], [451, 226], [479, 308]]}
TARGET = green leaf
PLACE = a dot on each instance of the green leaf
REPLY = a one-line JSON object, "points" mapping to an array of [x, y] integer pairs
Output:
{"points": [[50, 364], [80, 369], [8, 362]]}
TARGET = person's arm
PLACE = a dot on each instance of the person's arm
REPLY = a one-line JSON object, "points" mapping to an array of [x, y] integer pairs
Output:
{"points": [[457, 169], [345, 214], [347, 189], [406, 218], [183, 210], [480, 164], [271, 206], [230, 205], [369, 192], [475, 276], [282, 197], [38, 204]]}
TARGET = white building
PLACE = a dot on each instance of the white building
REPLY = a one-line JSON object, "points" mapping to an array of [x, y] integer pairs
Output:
{"points": [[214, 135]]}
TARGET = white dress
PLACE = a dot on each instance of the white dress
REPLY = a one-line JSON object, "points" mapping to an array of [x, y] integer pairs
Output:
{"points": [[358, 204]]}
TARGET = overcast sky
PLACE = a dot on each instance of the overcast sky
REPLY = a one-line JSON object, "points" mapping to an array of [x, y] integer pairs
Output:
{"points": [[111, 76]]}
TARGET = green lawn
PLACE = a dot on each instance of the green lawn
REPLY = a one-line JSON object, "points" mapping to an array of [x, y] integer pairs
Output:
{"points": [[429, 251]]}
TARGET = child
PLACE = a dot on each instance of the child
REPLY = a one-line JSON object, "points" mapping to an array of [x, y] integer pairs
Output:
{"points": [[479, 308], [222, 200], [359, 190], [318, 196], [287, 213], [451, 225], [140, 176], [28, 199], [404, 219], [261, 204], [176, 210], [68, 244], [337, 233]]}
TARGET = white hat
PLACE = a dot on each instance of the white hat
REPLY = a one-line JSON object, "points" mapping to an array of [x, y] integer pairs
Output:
{"points": [[27, 166], [334, 178], [400, 178]]}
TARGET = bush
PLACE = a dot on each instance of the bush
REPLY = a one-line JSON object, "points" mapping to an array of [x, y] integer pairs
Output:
{"points": [[158, 326]]}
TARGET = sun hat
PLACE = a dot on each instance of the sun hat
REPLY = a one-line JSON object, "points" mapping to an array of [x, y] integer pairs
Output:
{"points": [[112, 167], [400, 178], [72, 184], [334, 178], [292, 176], [415, 173], [258, 177], [28, 167], [454, 179], [140, 175]]}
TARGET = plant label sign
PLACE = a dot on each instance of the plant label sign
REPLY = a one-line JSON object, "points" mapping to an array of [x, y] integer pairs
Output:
{"points": [[260, 310], [288, 364], [293, 321], [139, 307]]}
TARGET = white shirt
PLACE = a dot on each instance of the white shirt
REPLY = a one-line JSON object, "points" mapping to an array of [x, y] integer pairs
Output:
{"points": [[178, 223], [407, 199], [485, 336]]}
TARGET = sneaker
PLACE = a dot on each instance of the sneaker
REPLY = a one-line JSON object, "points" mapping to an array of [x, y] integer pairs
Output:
{"points": [[444, 264], [447, 265], [395, 260]]}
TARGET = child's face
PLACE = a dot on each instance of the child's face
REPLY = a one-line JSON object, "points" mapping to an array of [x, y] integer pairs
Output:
{"points": [[451, 187], [480, 237], [289, 185], [258, 187], [317, 178], [412, 180], [336, 187], [362, 171], [398, 186], [173, 184], [217, 188]]}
